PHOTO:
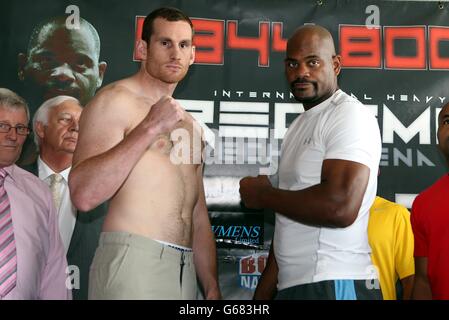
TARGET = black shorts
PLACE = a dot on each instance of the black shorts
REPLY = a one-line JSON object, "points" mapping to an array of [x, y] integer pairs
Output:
{"points": [[332, 290]]}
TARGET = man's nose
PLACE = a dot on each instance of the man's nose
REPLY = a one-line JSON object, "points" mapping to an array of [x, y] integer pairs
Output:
{"points": [[175, 52], [75, 126], [12, 134], [303, 71], [63, 73]]}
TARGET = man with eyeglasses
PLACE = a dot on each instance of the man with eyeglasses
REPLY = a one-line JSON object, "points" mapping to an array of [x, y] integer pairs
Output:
{"points": [[20, 130], [32, 260]]}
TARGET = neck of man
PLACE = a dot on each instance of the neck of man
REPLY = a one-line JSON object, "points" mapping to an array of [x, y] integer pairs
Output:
{"points": [[152, 87], [57, 161], [310, 105]]}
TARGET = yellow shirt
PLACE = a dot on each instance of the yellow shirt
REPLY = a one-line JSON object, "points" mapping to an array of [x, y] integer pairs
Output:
{"points": [[390, 236]]}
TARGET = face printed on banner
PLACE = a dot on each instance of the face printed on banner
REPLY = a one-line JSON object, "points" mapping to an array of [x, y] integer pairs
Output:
{"points": [[443, 131], [11, 142], [60, 134], [170, 51], [62, 62], [311, 65]]}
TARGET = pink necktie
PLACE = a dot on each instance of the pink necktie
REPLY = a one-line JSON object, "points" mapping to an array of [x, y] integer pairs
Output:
{"points": [[8, 257]]}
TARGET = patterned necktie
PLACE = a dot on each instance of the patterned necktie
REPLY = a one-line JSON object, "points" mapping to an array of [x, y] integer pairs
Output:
{"points": [[55, 187], [8, 257]]}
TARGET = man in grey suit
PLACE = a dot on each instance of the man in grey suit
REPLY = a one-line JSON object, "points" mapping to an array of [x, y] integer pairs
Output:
{"points": [[55, 126]]}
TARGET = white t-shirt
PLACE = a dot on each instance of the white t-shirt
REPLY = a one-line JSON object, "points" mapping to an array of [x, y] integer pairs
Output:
{"points": [[339, 128]]}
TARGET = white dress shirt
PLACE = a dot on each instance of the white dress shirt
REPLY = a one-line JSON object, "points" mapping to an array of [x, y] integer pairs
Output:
{"points": [[67, 211]]}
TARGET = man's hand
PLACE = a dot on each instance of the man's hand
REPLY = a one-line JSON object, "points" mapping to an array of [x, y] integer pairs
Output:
{"points": [[214, 295], [252, 191], [165, 114]]}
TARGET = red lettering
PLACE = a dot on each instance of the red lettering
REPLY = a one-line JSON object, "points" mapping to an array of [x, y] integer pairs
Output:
{"points": [[208, 40], [360, 47], [247, 265], [261, 263], [137, 36], [393, 61], [260, 44], [278, 43], [436, 36]]}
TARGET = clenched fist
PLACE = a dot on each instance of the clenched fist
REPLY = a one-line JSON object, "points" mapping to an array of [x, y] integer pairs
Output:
{"points": [[165, 114], [252, 190]]}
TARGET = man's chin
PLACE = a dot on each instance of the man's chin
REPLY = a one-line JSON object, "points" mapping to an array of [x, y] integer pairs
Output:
{"points": [[444, 149], [305, 99], [68, 150], [173, 78], [56, 92], [67, 147]]}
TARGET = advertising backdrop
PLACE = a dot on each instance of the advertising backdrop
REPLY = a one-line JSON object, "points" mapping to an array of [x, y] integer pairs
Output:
{"points": [[395, 58]]}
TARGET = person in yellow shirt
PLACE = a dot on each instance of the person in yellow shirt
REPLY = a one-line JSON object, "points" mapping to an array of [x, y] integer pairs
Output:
{"points": [[390, 236]]}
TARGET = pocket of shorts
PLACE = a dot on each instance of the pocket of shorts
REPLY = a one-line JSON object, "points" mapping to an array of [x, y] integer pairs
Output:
{"points": [[113, 265]]}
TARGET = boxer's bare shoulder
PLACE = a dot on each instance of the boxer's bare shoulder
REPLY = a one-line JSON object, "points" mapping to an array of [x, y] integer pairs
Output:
{"points": [[115, 97]]}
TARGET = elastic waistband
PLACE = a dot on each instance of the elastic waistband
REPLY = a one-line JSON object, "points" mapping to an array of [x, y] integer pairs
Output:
{"points": [[175, 246], [144, 243]]}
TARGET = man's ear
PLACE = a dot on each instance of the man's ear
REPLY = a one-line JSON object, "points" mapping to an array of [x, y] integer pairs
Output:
{"points": [[192, 59], [337, 64], [141, 49], [21, 63], [101, 70], [39, 130]]}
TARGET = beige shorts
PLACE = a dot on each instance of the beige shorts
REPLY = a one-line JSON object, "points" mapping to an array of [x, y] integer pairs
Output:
{"points": [[128, 266]]}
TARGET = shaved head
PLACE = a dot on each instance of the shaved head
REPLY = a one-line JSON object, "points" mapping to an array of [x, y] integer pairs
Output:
{"points": [[47, 27], [315, 32], [61, 61], [311, 65]]}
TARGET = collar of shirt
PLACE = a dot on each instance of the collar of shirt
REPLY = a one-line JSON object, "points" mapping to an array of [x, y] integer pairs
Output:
{"points": [[45, 171], [10, 170], [323, 105]]}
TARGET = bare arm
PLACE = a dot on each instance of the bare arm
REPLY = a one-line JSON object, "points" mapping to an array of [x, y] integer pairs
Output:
{"points": [[205, 253], [267, 286], [407, 287], [403, 251], [334, 202], [421, 287], [106, 152]]}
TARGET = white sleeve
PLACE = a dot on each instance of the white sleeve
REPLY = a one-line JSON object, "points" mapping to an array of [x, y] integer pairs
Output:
{"points": [[352, 133]]}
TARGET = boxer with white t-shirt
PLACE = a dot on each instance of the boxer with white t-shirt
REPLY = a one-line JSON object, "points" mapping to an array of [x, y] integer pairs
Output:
{"points": [[327, 183]]}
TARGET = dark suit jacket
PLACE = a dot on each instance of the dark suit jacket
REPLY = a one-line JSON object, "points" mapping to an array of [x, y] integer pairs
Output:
{"points": [[84, 240]]}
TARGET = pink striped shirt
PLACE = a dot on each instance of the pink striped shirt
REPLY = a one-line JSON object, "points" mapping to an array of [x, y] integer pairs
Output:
{"points": [[41, 262]]}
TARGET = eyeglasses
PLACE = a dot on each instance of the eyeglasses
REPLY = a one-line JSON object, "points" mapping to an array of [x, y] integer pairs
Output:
{"points": [[20, 129]]}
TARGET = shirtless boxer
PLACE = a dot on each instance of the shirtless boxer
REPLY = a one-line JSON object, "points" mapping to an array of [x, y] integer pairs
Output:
{"points": [[157, 234]]}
